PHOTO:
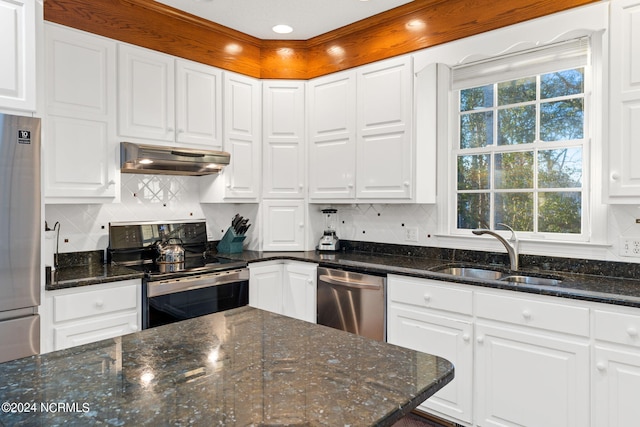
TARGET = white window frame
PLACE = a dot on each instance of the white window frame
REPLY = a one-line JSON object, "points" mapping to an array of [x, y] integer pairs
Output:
{"points": [[568, 54]]}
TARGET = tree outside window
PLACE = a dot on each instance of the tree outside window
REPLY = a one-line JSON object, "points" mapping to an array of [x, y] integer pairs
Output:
{"points": [[520, 154]]}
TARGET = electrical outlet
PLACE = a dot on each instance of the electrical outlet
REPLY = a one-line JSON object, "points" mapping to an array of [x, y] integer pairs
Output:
{"points": [[411, 234], [630, 247]]}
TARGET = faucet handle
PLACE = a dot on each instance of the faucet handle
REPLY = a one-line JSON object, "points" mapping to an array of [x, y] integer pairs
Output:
{"points": [[513, 237]]}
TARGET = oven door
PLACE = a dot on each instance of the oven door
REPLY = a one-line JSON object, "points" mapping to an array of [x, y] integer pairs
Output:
{"points": [[172, 300]]}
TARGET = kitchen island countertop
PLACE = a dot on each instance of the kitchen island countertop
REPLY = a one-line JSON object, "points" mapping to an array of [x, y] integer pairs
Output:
{"points": [[239, 367]]}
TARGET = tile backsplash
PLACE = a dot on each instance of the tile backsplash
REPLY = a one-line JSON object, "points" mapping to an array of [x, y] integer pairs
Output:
{"points": [[85, 227]]}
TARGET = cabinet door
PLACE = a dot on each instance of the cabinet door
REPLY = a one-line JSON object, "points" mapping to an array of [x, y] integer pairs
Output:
{"points": [[529, 379], [18, 54], [80, 157], [146, 91], [332, 133], [624, 116], [242, 133], [284, 225], [283, 118], [299, 292], [616, 387], [384, 149], [198, 105], [445, 337], [265, 287]]}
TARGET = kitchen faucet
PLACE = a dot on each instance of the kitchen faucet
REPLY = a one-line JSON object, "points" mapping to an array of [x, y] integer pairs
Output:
{"points": [[511, 246]]}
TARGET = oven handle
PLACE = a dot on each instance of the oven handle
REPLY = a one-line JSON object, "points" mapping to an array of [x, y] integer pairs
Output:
{"points": [[171, 286]]}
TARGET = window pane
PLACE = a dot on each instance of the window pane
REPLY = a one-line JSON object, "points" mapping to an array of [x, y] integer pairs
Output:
{"points": [[516, 91], [477, 97], [473, 172], [476, 130], [515, 210], [562, 83], [562, 120], [561, 168], [517, 125], [560, 212], [473, 210], [514, 170]]}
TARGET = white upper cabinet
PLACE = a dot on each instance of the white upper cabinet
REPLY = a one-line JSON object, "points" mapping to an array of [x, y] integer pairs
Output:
{"points": [[384, 149], [168, 100], [283, 225], [332, 136], [146, 94], [18, 54], [240, 180], [624, 112], [284, 139], [80, 149], [198, 105], [360, 137]]}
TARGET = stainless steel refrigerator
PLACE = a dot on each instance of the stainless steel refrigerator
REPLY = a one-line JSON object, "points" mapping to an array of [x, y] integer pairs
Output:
{"points": [[20, 224]]}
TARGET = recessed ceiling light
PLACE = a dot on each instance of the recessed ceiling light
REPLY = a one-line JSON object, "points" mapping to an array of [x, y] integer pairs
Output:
{"points": [[282, 29]]}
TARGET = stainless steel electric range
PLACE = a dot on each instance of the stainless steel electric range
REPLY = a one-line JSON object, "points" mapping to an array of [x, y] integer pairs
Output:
{"points": [[181, 279]]}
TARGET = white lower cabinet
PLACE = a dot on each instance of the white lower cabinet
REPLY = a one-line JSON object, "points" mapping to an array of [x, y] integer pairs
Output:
{"points": [[616, 374], [299, 290], [88, 314], [528, 379], [520, 360], [265, 286], [284, 287], [435, 318]]}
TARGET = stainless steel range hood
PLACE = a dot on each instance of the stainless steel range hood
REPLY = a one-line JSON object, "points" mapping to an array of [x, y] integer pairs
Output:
{"points": [[159, 160]]}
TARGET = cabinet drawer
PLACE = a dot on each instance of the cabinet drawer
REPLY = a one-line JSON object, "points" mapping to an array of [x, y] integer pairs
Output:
{"points": [[86, 332], [619, 328], [95, 302], [429, 294], [534, 313]]}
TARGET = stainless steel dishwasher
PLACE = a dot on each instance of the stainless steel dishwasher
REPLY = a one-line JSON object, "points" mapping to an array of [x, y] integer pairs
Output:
{"points": [[352, 302]]}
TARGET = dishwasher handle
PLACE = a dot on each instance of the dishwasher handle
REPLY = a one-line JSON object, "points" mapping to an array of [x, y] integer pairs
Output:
{"points": [[351, 283]]}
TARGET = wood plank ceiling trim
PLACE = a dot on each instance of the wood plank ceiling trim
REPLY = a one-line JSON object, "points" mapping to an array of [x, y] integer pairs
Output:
{"points": [[414, 26]]}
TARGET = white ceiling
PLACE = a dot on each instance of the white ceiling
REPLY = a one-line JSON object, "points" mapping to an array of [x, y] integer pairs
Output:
{"points": [[309, 18]]}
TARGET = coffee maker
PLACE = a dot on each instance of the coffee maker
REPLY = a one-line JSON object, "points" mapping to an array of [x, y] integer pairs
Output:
{"points": [[329, 241]]}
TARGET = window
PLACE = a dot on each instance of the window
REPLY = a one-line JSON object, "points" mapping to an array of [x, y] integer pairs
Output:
{"points": [[522, 142]]}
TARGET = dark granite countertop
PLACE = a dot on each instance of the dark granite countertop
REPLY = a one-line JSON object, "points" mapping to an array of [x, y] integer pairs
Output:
{"points": [[597, 288], [239, 367], [605, 284], [89, 274]]}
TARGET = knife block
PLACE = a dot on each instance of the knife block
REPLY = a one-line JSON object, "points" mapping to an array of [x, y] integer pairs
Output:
{"points": [[231, 242]]}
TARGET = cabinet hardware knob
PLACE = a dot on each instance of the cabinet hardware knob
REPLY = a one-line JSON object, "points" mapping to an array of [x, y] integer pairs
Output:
{"points": [[350, 185], [99, 303], [301, 224], [427, 298], [406, 183], [526, 314], [111, 182], [310, 281], [466, 337], [600, 366], [301, 186], [633, 332], [480, 339], [615, 176]]}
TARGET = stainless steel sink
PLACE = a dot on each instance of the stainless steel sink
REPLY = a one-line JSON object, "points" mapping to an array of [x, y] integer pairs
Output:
{"points": [[531, 280], [476, 273], [485, 274]]}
